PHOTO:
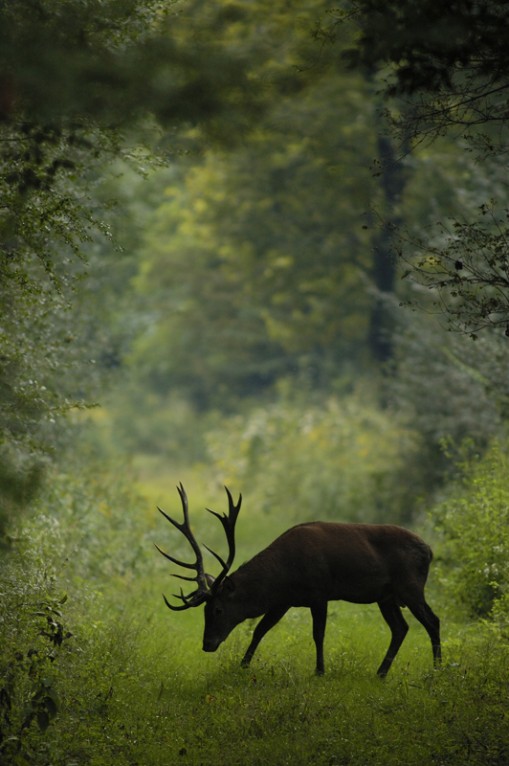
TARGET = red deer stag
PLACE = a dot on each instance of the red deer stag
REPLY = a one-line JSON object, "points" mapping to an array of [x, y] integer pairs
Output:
{"points": [[309, 565]]}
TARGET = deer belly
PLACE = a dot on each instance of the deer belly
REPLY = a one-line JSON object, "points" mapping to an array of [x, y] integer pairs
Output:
{"points": [[360, 588]]}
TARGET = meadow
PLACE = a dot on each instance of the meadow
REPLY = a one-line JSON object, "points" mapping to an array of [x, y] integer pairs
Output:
{"points": [[99, 671], [150, 696]]}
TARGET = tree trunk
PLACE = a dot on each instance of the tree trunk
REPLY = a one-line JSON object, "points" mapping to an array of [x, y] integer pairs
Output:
{"points": [[392, 184]]}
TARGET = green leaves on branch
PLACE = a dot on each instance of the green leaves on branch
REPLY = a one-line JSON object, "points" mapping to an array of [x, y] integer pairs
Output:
{"points": [[467, 271], [445, 64], [103, 71]]}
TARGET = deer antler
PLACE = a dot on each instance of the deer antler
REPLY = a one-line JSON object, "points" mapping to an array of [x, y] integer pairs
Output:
{"points": [[228, 522], [202, 578], [206, 584]]}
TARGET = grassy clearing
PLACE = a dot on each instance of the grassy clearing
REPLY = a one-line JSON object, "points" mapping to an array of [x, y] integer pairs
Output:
{"points": [[132, 686], [155, 698]]}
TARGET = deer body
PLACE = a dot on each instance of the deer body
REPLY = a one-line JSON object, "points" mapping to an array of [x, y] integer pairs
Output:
{"points": [[311, 564]]}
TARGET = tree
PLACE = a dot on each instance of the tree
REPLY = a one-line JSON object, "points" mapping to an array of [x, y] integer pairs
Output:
{"points": [[256, 259], [449, 61], [465, 266], [80, 83], [444, 69]]}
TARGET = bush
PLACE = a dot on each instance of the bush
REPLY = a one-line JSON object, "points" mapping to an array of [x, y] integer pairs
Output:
{"points": [[80, 549], [132, 686], [474, 524], [33, 635]]}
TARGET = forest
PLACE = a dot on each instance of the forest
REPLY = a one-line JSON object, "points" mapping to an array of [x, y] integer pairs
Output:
{"points": [[261, 245]]}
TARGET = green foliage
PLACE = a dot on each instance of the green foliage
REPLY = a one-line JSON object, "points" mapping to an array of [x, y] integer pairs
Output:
{"points": [[464, 268], [82, 543], [250, 281], [273, 282], [141, 422], [340, 458], [102, 67], [131, 685], [449, 58], [108, 63], [443, 71], [447, 387], [474, 525]]}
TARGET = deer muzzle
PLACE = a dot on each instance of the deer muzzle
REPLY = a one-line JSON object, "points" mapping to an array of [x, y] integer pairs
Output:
{"points": [[210, 644]]}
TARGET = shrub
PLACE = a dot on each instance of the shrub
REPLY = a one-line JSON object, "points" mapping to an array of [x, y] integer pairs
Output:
{"points": [[33, 634], [70, 559], [449, 388], [474, 524]]}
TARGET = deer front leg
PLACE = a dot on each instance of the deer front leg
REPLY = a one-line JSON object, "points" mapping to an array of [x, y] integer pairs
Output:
{"points": [[266, 623], [319, 614]]}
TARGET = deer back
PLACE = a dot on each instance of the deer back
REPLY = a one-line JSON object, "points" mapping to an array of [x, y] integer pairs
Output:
{"points": [[322, 561]]}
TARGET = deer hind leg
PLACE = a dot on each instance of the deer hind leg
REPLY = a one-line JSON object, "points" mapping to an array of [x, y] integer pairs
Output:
{"points": [[266, 623], [399, 628], [426, 616]]}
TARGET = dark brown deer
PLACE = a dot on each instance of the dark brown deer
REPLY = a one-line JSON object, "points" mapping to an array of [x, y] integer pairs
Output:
{"points": [[309, 565]]}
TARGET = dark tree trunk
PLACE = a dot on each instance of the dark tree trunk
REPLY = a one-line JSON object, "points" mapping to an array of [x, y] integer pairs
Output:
{"points": [[392, 184]]}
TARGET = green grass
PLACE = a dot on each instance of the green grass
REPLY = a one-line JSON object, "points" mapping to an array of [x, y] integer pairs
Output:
{"points": [[144, 693]]}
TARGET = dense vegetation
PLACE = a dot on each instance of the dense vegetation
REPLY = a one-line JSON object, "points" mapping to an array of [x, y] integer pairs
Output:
{"points": [[250, 245]]}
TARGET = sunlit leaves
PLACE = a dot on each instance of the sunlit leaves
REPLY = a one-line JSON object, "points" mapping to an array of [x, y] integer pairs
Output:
{"points": [[341, 459]]}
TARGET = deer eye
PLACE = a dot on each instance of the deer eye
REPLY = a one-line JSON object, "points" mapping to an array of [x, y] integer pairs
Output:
{"points": [[218, 610]]}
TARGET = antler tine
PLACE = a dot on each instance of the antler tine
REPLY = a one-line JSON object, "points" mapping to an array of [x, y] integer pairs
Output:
{"points": [[185, 605], [232, 508], [181, 577], [216, 555], [203, 591], [228, 522], [173, 560], [185, 504]]}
